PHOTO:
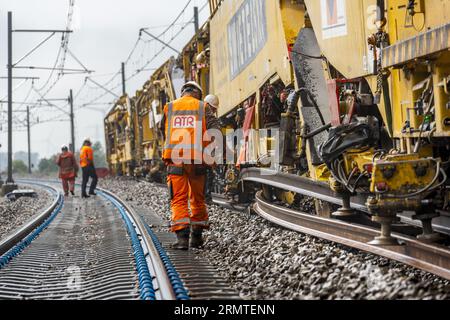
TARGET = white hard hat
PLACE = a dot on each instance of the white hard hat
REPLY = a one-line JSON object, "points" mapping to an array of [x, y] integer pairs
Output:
{"points": [[191, 84], [64, 146], [87, 139], [212, 100]]}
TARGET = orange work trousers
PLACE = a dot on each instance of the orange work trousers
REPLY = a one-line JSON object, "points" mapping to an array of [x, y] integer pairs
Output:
{"points": [[68, 184], [187, 187]]}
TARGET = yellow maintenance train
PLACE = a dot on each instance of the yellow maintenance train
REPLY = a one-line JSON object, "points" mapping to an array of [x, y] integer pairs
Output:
{"points": [[344, 101]]}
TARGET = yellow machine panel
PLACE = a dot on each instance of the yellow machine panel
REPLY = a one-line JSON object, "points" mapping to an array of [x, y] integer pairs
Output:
{"points": [[428, 14], [402, 174], [120, 145], [336, 91], [345, 26], [420, 60], [147, 132], [342, 28], [156, 92], [247, 52]]}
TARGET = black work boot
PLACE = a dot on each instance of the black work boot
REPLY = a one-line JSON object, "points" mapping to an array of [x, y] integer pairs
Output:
{"points": [[182, 240], [196, 237]]}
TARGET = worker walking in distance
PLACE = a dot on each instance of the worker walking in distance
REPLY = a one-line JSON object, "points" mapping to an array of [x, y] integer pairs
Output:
{"points": [[88, 168], [184, 124], [68, 170]]}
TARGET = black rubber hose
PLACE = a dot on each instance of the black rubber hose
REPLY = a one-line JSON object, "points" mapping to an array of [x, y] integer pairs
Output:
{"points": [[318, 131]]}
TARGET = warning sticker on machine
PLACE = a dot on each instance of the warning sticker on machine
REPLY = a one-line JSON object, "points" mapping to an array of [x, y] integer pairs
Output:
{"points": [[334, 18]]}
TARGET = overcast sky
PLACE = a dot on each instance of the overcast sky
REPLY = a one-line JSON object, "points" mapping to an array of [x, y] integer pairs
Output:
{"points": [[105, 32]]}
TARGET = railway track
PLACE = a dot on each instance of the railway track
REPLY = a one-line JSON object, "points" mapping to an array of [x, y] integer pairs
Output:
{"points": [[432, 258], [429, 257], [96, 249]]}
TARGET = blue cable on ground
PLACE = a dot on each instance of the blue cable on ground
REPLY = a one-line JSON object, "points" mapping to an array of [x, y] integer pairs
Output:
{"points": [[147, 291], [19, 247], [177, 285]]}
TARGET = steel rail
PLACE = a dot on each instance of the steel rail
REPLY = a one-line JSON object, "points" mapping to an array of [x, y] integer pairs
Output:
{"points": [[10, 241], [301, 185], [322, 191], [429, 257], [162, 283], [190, 277]]}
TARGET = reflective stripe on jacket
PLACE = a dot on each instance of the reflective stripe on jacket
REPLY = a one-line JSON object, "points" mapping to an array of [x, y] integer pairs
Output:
{"points": [[185, 126]]}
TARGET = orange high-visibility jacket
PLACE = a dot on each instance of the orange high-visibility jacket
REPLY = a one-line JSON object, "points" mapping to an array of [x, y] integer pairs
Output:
{"points": [[86, 156], [68, 166], [185, 125]]}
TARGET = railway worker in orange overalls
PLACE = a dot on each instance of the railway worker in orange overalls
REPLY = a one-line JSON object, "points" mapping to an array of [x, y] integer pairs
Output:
{"points": [[68, 170], [185, 122], [87, 168]]}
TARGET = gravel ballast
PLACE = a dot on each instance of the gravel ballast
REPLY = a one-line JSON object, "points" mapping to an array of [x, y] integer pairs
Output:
{"points": [[263, 261], [14, 214]]}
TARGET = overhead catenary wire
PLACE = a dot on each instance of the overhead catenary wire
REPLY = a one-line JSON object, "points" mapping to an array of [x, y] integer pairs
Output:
{"points": [[52, 104], [176, 19], [60, 61], [28, 95], [137, 71], [144, 66], [17, 109], [170, 40], [65, 38], [118, 72], [15, 88], [43, 90], [63, 49], [51, 74], [59, 65]]}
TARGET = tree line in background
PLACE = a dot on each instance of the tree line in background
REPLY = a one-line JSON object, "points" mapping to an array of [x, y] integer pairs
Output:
{"points": [[48, 165]]}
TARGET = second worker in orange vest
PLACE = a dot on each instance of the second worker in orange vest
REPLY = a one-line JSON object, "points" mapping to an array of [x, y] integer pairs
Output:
{"points": [[185, 122], [87, 168]]}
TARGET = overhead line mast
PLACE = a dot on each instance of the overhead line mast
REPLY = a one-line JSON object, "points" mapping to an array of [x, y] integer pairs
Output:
{"points": [[10, 185]]}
